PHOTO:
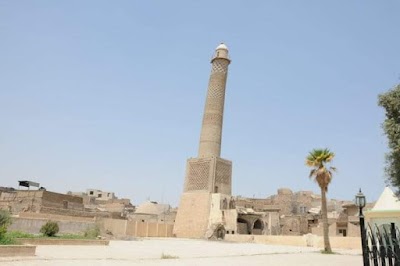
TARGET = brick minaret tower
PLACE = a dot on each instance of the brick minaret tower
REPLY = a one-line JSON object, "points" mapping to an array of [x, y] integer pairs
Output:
{"points": [[207, 174], [211, 131]]}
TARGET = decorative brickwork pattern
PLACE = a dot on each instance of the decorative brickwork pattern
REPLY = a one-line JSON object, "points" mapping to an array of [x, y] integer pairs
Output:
{"points": [[197, 178], [213, 119], [215, 88], [214, 104], [223, 173], [220, 66]]}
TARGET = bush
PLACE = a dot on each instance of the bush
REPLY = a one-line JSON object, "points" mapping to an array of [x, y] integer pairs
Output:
{"points": [[92, 232], [5, 218], [5, 221], [7, 240], [50, 229]]}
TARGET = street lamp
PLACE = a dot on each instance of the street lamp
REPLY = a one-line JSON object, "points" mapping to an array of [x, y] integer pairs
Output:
{"points": [[360, 202]]}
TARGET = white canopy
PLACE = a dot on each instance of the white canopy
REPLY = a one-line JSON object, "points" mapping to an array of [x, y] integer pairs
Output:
{"points": [[387, 201]]}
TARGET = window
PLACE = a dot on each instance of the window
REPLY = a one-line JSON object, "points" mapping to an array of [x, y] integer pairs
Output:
{"points": [[99, 195], [303, 209], [90, 192]]}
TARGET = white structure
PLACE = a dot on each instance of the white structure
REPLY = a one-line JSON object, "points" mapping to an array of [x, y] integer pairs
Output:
{"points": [[385, 211]]}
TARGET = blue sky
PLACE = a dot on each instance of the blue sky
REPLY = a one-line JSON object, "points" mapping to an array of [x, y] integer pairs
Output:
{"points": [[110, 94]]}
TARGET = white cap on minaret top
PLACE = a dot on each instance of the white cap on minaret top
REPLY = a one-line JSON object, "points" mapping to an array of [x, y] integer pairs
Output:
{"points": [[221, 52], [222, 46]]}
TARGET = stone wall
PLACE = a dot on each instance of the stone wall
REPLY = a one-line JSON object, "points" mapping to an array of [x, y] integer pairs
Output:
{"points": [[193, 215], [318, 230], [116, 228], [17, 251], [124, 228], [55, 217], [33, 225], [294, 225], [353, 230], [19, 201], [221, 214]]}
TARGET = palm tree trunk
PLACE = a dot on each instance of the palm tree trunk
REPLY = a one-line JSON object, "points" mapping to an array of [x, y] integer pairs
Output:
{"points": [[325, 224]]}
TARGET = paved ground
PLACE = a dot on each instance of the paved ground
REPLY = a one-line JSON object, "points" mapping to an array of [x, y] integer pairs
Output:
{"points": [[187, 252]]}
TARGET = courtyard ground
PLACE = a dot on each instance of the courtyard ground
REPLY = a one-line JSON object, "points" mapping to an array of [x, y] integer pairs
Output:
{"points": [[172, 251]]}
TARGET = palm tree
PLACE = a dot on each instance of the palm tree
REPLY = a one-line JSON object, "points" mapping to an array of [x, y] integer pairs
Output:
{"points": [[322, 174]]}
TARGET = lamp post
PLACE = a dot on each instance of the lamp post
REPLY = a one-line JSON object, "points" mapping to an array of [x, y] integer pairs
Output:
{"points": [[360, 202]]}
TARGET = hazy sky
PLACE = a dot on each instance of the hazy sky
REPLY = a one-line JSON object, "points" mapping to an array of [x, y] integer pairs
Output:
{"points": [[110, 94]]}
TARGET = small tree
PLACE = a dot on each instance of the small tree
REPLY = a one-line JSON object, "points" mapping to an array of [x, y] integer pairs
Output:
{"points": [[390, 101], [92, 232], [50, 229], [321, 173], [5, 221]]}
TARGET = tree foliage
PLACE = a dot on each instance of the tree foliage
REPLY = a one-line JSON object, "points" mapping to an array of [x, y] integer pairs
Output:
{"points": [[318, 159], [5, 221], [390, 101], [50, 229], [321, 173]]}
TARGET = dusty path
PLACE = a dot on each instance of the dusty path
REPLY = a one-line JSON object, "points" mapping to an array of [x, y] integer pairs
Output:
{"points": [[187, 252]]}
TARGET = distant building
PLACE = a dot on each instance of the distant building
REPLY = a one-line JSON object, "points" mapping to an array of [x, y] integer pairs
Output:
{"points": [[151, 211], [100, 195], [105, 201], [41, 201]]}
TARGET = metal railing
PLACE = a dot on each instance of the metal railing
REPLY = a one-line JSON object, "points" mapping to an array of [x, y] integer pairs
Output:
{"points": [[381, 247]]}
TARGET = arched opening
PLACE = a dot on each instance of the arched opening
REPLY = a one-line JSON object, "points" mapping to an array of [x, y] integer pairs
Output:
{"points": [[220, 232], [242, 227], [258, 227]]}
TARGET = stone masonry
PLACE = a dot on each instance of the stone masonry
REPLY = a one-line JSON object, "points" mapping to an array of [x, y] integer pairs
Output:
{"points": [[208, 173]]}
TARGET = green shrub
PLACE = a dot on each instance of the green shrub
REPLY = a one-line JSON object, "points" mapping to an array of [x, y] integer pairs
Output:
{"points": [[5, 218], [92, 232], [19, 234], [5, 221], [6, 240], [50, 229]]}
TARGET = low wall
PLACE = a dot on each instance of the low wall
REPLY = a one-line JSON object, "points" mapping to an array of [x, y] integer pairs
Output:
{"points": [[54, 217], [46, 241], [17, 251], [124, 228], [33, 225], [308, 240], [118, 228]]}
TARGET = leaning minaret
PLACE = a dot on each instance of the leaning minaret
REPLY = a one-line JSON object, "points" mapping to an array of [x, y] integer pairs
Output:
{"points": [[208, 177], [211, 131]]}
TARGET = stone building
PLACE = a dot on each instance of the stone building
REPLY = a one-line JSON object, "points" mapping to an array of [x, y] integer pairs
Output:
{"points": [[293, 213], [41, 201], [151, 211], [100, 201], [79, 204]]}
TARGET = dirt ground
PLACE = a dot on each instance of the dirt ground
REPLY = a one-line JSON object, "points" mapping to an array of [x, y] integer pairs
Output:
{"points": [[172, 251]]}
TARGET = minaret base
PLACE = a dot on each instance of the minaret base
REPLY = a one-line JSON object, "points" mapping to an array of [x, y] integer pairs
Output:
{"points": [[193, 213], [204, 178]]}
